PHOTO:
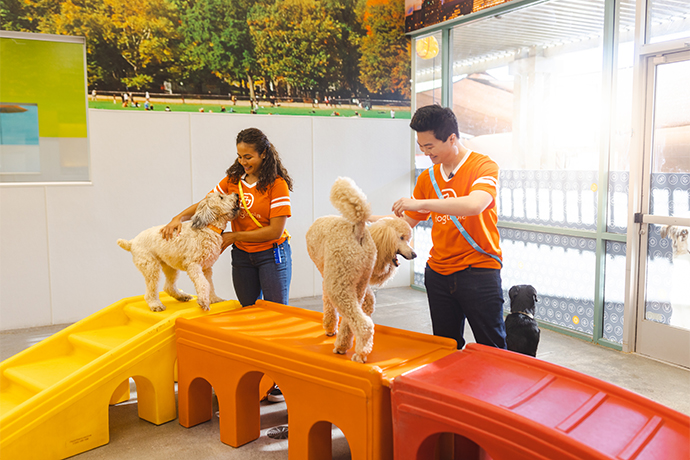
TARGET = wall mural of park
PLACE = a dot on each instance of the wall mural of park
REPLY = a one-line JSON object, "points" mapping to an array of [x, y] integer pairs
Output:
{"points": [[296, 50]]}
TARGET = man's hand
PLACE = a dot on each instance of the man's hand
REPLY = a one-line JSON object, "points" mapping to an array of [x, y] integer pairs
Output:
{"points": [[407, 204]]}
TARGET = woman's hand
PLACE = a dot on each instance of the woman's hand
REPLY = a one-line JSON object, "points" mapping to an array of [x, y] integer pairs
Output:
{"points": [[172, 229], [229, 239]]}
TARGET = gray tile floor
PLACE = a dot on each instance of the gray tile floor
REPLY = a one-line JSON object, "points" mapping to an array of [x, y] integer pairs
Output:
{"points": [[404, 308]]}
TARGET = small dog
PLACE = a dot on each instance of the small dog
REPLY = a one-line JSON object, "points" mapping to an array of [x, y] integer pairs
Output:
{"points": [[522, 331], [351, 258], [680, 292], [194, 250], [679, 237]]}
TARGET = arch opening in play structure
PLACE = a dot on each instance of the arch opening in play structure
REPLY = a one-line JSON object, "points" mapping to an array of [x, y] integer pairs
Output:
{"points": [[239, 408], [325, 436], [446, 446], [141, 391]]}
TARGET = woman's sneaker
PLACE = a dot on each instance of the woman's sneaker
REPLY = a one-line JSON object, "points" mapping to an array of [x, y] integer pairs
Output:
{"points": [[275, 395]]}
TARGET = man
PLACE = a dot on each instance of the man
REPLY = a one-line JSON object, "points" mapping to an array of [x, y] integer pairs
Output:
{"points": [[462, 277]]}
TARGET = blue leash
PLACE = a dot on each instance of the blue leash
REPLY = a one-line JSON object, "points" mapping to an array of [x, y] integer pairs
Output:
{"points": [[457, 223]]}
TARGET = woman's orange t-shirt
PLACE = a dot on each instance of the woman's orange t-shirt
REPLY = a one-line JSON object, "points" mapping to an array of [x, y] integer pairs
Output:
{"points": [[275, 202], [451, 252]]}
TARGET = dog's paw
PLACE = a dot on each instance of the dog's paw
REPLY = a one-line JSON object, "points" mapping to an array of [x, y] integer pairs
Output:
{"points": [[205, 307], [359, 358], [330, 334], [339, 351], [184, 297], [217, 299], [160, 307]]}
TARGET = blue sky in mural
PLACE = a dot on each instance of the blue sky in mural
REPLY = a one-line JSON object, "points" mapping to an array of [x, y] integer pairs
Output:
{"points": [[18, 124]]}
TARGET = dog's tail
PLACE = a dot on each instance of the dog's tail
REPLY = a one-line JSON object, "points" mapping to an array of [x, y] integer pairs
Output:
{"points": [[352, 203], [350, 200], [124, 244]]}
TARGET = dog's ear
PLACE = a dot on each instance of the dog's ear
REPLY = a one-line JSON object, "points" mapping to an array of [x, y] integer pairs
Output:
{"points": [[389, 242], [203, 216], [513, 292], [664, 231]]}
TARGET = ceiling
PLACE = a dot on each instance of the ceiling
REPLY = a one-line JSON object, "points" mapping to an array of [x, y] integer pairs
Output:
{"points": [[547, 24]]}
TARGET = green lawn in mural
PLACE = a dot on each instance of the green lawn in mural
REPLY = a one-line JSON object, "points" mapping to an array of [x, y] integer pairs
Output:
{"points": [[216, 108]]}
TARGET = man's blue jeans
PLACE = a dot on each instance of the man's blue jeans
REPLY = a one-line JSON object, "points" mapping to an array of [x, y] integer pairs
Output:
{"points": [[474, 294], [256, 274]]}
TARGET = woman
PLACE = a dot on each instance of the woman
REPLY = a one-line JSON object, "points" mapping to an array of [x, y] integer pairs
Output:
{"points": [[261, 254]]}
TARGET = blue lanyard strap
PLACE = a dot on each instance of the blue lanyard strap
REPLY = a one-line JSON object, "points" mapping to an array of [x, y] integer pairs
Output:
{"points": [[457, 223]]}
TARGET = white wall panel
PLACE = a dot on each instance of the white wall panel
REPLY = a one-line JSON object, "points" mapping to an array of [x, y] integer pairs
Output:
{"points": [[375, 153], [24, 276], [140, 178], [59, 260]]}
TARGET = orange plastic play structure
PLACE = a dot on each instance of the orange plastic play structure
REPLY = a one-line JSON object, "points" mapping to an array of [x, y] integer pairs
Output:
{"points": [[230, 352], [502, 405]]}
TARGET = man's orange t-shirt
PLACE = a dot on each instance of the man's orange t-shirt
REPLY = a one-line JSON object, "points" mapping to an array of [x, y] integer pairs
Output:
{"points": [[451, 252], [275, 202]]}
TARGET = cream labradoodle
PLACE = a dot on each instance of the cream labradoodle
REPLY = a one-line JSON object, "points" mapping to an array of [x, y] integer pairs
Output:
{"points": [[352, 257], [194, 250]]}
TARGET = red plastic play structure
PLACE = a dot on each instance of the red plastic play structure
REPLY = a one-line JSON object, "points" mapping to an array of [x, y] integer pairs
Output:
{"points": [[505, 406]]}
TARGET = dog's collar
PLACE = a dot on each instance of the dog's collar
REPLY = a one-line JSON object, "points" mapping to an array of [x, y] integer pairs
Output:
{"points": [[215, 229], [530, 315]]}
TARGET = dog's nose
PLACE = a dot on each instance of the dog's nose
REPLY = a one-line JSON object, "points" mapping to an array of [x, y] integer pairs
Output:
{"points": [[414, 255]]}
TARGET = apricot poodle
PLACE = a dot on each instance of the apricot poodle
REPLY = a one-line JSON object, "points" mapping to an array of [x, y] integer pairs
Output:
{"points": [[352, 257]]}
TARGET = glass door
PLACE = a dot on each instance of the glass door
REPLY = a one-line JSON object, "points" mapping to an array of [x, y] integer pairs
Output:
{"points": [[663, 323]]}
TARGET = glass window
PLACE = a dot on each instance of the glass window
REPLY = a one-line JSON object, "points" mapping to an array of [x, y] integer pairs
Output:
{"points": [[671, 142], [427, 81], [662, 282], [427, 91], [527, 91], [621, 122], [614, 300], [668, 20], [561, 268]]}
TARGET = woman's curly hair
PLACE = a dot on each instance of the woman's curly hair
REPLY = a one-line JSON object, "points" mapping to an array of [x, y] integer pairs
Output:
{"points": [[271, 167]]}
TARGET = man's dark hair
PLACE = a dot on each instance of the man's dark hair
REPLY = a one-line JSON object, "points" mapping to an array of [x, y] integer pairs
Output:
{"points": [[440, 120]]}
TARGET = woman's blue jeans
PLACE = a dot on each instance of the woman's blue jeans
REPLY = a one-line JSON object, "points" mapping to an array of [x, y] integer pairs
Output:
{"points": [[256, 275]]}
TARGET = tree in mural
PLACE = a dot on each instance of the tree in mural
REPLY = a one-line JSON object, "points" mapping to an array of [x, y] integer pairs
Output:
{"points": [[385, 62], [14, 15], [127, 40], [216, 37], [348, 13], [297, 41], [313, 46]]}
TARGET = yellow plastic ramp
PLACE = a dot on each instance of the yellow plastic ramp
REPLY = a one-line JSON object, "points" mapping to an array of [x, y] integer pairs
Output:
{"points": [[54, 396]]}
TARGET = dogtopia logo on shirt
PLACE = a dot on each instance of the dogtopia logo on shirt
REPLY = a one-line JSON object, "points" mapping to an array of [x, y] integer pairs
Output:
{"points": [[448, 193], [445, 218], [248, 198]]}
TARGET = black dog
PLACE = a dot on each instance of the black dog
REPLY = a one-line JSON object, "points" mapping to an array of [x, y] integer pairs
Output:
{"points": [[522, 332]]}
